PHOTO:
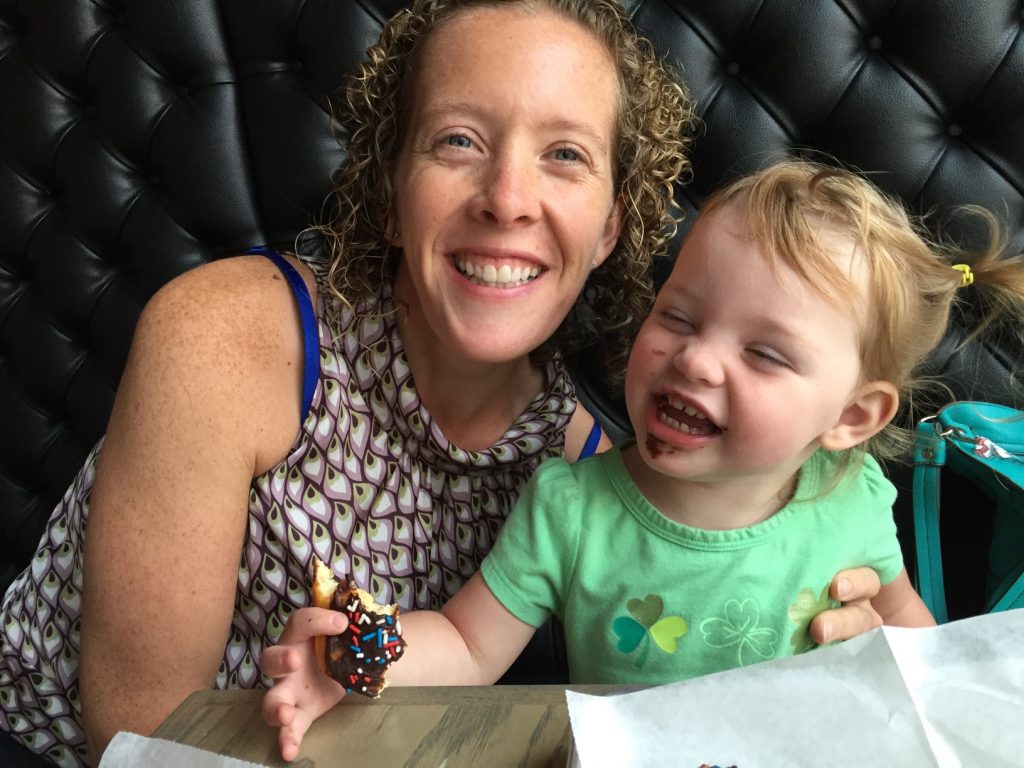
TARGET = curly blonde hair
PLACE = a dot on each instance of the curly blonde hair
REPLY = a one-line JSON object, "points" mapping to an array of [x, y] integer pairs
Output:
{"points": [[652, 136], [795, 208]]}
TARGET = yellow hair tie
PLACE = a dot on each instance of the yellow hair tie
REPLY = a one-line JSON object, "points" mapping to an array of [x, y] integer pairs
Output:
{"points": [[966, 276]]}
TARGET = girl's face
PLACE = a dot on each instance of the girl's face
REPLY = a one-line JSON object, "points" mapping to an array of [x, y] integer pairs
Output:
{"points": [[504, 187], [739, 373]]}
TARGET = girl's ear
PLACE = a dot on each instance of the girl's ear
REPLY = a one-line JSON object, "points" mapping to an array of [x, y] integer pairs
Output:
{"points": [[869, 410]]}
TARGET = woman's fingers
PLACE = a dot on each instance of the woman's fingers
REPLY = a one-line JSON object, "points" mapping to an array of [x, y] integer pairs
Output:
{"points": [[854, 588]]}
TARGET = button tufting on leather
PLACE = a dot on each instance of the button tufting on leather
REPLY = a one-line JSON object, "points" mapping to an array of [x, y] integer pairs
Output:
{"points": [[252, 161]]}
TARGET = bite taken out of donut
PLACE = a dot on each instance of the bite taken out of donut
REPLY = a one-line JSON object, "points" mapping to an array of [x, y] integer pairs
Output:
{"points": [[359, 657]]}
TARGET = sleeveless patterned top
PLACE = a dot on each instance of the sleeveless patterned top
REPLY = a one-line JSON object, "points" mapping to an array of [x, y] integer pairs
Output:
{"points": [[371, 487]]}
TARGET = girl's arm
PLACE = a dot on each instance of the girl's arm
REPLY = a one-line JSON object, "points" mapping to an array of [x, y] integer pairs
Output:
{"points": [[899, 605], [473, 641]]}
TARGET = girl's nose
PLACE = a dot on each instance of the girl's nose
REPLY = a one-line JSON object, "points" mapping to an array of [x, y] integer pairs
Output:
{"points": [[699, 362]]}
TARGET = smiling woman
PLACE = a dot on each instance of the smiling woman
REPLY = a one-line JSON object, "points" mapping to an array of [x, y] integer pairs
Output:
{"points": [[508, 165]]}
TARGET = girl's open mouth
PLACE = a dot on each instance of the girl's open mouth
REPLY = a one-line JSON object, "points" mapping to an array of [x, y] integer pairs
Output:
{"points": [[684, 417]]}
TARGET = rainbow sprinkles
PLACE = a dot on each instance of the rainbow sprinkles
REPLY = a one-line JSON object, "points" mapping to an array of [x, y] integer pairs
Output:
{"points": [[359, 656]]}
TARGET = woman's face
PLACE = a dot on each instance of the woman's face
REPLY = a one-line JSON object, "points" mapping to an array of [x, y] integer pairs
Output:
{"points": [[504, 186]]}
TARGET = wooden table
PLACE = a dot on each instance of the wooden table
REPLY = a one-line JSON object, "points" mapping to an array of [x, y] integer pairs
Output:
{"points": [[505, 725]]}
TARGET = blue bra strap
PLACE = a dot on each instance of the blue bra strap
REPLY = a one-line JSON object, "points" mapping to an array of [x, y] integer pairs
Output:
{"points": [[310, 337], [592, 440]]}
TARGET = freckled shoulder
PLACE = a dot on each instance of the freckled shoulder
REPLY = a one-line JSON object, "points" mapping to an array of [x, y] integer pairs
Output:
{"points": [[233, 327]]}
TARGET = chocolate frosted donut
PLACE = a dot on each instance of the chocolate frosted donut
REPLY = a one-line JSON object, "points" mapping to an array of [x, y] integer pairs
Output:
{"points": [[359, 656]]}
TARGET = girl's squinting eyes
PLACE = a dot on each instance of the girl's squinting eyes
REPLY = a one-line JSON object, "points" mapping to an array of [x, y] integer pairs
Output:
{"points": [[676, 319], [769, 358]]}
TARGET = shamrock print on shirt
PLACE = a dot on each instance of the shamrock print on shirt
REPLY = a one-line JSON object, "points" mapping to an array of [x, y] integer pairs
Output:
{"points": [[805, 608], [644, 623], [739, 626]]}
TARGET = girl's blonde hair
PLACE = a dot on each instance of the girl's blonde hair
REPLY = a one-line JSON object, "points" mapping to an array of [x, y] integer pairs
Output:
{"points": [[654, 118], [903, 276]]}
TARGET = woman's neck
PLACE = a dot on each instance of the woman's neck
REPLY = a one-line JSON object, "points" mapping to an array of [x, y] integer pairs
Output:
{"points": [[473, 403]]}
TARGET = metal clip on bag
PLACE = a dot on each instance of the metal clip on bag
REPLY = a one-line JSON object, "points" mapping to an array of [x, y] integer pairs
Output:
{"points": [[984, 443]]}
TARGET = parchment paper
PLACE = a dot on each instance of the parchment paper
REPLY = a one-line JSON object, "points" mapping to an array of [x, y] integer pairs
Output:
{"points": [[944, 696]]}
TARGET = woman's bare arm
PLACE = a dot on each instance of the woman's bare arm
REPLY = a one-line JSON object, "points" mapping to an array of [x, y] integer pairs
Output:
{"points": [[209, 398]]}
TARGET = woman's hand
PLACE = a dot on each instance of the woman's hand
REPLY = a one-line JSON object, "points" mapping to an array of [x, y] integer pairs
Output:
{"points": [[854, 588], [301, 692]]}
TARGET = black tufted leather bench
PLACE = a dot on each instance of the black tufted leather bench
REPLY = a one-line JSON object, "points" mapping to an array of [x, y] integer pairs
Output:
{"points": [[138, 140]]}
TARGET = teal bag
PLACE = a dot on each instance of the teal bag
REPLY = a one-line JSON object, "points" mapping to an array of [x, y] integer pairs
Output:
{"points": [[984, 443]]}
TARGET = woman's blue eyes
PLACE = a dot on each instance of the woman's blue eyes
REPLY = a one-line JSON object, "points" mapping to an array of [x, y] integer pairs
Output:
{"points": [[461, 141]]}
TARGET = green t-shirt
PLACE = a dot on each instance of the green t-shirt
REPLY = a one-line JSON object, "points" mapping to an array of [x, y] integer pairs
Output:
{"points": [[647, 600]]}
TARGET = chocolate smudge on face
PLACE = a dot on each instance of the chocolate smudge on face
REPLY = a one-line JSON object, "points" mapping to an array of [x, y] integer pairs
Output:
{"points": [[656, 447]]}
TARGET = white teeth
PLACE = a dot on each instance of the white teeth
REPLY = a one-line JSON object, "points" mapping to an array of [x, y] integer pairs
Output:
{"points": [[691, 411], [686, 408], [495, 277], [678, 425]]}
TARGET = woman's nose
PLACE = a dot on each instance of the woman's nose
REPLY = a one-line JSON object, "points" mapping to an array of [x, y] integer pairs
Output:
{"points": [[511, 190], [699, 362]]}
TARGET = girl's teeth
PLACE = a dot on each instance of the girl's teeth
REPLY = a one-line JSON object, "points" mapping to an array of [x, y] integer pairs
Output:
{"points": [[691, 411], [678, 425]]}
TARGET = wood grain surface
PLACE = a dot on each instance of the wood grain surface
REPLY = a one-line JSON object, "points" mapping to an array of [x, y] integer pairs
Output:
{"points": [[496, 726]]}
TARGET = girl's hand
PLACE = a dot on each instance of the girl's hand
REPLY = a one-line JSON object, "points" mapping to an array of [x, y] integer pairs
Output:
{"points": [[301, 692], [854, 588]]}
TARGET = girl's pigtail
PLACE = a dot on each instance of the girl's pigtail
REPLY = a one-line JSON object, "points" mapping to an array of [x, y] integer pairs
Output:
{"points": [[991, 290]]}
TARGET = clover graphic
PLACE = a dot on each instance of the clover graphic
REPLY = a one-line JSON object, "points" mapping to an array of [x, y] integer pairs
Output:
{"points": [[645, 622], [806, 607], [739, 626]]}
